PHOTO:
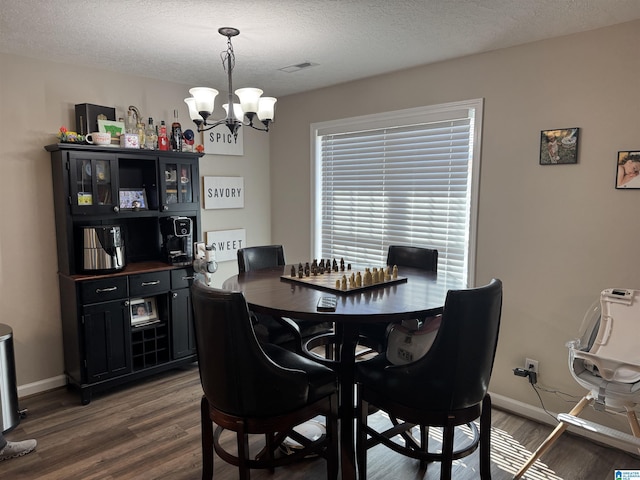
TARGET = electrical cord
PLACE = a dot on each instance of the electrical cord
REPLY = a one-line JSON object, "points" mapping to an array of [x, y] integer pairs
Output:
{"points": [[535, 389]]}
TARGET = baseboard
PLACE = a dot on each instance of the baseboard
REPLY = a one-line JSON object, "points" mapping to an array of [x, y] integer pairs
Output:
{"points": [[41, 386], [539, 415]]}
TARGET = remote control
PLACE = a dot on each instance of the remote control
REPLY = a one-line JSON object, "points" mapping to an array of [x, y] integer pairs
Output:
{"points": [[327, 304]]}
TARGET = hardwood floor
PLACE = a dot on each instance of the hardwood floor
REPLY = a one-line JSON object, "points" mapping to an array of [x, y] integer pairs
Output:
{"points": [[151, 431]]}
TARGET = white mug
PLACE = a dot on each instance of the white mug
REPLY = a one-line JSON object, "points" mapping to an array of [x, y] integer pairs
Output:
{"points": [[99, 138]]}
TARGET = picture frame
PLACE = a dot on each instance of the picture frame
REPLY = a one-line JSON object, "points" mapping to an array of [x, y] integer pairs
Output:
{"points": [[133, 199], [143, 310], [628, 169], [559, 146], [113, 127]]}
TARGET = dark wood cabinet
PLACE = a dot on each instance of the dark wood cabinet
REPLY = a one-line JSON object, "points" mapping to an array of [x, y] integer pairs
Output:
{"points": [[105, 343]]}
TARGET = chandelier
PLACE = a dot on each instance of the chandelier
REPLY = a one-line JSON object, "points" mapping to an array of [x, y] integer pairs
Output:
{"points": [[252, 105]]}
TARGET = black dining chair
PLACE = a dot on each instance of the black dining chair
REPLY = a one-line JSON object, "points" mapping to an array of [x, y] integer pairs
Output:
{"points": [[254, 389], [270, 329], [446, 388], [373, 336]]}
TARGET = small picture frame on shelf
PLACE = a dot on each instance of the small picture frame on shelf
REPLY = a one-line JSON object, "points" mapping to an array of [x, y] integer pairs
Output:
{"points": [[114, 128], [133, 199], [143, 311], [628, 169], [559, 146]]}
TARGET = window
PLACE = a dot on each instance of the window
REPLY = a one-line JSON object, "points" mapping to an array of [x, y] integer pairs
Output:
{"points": [[401, 178]]}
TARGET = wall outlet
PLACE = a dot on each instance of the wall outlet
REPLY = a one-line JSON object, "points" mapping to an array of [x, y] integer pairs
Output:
{"points": [[531, 365]]}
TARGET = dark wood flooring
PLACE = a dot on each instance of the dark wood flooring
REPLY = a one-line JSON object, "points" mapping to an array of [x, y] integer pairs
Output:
{"points": [[151, 431]]}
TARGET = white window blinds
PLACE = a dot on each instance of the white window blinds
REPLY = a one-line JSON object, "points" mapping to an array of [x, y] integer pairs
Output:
{"points": [[407, 184]]}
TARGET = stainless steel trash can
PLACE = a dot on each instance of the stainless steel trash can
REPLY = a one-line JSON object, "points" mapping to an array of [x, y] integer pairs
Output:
{"points": [[8, 388]]}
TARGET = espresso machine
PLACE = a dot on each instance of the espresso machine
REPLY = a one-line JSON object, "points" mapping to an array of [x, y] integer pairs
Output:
{"points": [[177, 240]]}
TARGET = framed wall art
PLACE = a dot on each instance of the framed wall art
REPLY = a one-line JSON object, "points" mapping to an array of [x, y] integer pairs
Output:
{"points": [[628, 169], [559, 146]]}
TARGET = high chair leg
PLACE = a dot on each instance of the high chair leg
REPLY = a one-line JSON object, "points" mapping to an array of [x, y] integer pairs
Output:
{"points": [[633, 423], [550, 440]]}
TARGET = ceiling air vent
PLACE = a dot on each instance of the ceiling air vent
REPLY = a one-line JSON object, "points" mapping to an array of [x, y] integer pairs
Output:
{"points": [[297, 67]]}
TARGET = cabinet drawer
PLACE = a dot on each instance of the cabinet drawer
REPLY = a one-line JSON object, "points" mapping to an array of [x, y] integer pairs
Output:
{"points": [[94, 291], [146, 284], [181, 278]]}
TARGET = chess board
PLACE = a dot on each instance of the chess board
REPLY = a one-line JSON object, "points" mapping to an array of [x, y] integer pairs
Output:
{"points": [[327, 281]]}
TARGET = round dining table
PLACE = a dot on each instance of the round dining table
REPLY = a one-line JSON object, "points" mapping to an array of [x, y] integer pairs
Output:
{"points": [[415, 294]]}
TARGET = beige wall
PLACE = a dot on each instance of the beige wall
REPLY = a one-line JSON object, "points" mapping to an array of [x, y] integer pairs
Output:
{"points": [[36, 98], [555, 235]]}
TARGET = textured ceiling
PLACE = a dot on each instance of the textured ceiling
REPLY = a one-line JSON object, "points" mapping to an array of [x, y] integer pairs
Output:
{"points": [[347, 39]]}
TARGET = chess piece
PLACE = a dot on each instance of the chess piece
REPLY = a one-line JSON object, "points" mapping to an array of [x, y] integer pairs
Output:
{"points": [[395, 272], [342, 264], [338, 284], [344, 282], [358, 280], [367, 280], [293, 271]]}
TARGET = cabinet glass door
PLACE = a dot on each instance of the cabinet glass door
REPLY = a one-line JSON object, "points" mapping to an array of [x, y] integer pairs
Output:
{"points": [[178, 190], [92, 184]]}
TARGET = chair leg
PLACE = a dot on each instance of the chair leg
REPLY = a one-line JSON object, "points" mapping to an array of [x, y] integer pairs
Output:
{"points": [[424, 442], [269, 444], [553, 436], [361, 438], [206, 428], [485, 439], [332, 446], [447, 452], [243, 454]]}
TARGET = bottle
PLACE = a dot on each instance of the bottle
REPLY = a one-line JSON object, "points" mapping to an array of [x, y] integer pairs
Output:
{"points": [[163, 140], [140, 129], [176, 133], [150, 136]]}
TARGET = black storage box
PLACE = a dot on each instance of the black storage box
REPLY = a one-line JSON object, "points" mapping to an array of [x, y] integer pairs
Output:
{"points": [[87, 117]]}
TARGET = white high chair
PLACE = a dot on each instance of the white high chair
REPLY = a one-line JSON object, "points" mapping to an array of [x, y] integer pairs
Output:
{"points": [[606, 361]]}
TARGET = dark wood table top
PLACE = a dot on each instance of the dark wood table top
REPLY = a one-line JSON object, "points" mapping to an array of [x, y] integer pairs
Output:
{"points": [[421, 295]]}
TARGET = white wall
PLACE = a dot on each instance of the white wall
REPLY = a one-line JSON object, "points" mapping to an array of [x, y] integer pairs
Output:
{"points": [[36, 98], [555, 235]]}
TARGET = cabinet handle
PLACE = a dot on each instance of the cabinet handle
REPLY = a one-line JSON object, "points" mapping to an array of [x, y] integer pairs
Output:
{"points": [[174, 295], [105, 290], [189, 277], [146, 284]]}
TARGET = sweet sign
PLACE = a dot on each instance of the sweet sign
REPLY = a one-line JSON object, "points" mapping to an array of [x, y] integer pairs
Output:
{"points": [[223, 192], [226, 243]]}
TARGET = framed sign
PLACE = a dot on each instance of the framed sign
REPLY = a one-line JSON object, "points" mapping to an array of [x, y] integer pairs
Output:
{"points": [[226, 243], [223, 192], [220, 141]]}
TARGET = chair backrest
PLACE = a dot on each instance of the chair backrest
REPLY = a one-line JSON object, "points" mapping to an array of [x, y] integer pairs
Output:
{"points": [[417, 257], [237, 376], [455, 373], [257, 258]]}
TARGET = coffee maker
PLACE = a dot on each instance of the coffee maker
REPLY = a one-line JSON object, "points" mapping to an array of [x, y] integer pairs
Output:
{"points": [[177, 240]]}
